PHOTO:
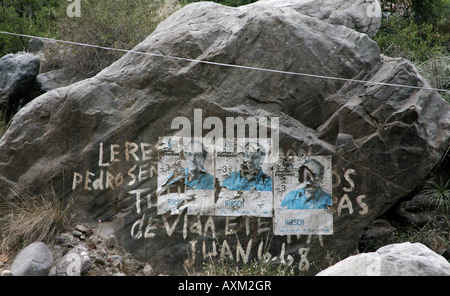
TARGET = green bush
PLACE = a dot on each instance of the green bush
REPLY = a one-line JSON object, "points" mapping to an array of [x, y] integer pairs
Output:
{"points": [[423, 11], [117, 24], [420, 32], [427, 11], [403, 37], [29, 17]]}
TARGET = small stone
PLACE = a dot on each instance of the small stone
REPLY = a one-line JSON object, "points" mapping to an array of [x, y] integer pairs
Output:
{"points": [[64, 239], [82, 229], [94, 239], [116, 260], [148, 270], [99, 260], [52, 271], [77, 233], [111, 242]]}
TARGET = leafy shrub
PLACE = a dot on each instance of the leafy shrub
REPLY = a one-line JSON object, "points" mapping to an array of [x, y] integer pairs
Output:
{"points": [[402, 37], [29, 17], [422, 11], [438, 193], [427, 10], [117, 24]]}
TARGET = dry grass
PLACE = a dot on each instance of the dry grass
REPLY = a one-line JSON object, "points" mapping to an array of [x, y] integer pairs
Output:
{"points": [[29, 219]]}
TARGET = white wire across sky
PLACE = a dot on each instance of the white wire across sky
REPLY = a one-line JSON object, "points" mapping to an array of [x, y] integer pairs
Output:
{"points": [[229, 65]]}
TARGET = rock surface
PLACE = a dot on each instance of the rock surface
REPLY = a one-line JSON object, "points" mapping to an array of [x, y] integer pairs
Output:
{"points": [[53, 79], [383, 140], [418, 210], [75, 262], [405, 259], [34, 260], [101, 257], [362, 15], [17, 76]]}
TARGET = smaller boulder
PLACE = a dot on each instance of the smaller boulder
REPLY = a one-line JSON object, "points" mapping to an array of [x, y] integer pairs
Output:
{"points": [[17, 79], [419, 210], [74, 263], [379, 229], [54, 79], [34, 260], [405, 259]]}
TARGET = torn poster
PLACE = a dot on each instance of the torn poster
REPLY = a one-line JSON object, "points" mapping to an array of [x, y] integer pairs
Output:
{"points": [[245, 179], [303, 196], [185, 176]]}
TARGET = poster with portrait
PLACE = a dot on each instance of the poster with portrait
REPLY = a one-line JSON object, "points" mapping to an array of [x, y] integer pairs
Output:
{"points": [[244, 178], [303, 195], [185, 176]]}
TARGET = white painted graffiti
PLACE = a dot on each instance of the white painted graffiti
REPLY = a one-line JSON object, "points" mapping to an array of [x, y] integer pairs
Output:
{"points": [[200, 230]]}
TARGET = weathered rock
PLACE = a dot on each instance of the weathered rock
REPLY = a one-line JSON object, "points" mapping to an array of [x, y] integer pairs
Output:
{"points": [[148, 270], [403, 259], [383, 140], [418, 210], [35, 45], [378, 229], [116, 260], [64, 239], [111, 241], [446, 254], [83, 229], [361, 15], [4, 98], [34, 260], [17, 75], [54, 79], [74, 263]]}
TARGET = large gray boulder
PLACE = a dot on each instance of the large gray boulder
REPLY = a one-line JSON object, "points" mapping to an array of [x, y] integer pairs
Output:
{"points": [[405, 259], [34, 260], [94, 141]]}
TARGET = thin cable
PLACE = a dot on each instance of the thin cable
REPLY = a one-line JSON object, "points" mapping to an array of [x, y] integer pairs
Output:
{"points": [[227, 65]]}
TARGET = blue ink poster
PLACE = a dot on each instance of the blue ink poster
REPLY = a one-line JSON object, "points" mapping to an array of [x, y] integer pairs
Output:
{"points": [[185, 176], [245, 179], [303, 195]]}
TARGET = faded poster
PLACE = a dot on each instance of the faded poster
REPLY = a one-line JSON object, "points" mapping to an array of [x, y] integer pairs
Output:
{"points": [[244, 178], [185, 176], [303, 196]]}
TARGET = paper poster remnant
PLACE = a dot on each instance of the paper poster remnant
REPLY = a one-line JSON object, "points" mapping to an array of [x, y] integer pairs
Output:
{"points": [[302, 196], [185, 176], [244, 178]]}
